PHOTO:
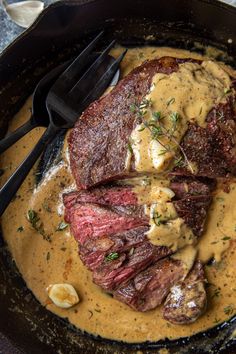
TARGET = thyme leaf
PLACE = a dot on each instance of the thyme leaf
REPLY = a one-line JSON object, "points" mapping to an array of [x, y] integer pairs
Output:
{"points": [[112, 256], [62, 226], [226, 238], [157, 218], [130, 148], [229, 310], [170, 101], [37, 224]]}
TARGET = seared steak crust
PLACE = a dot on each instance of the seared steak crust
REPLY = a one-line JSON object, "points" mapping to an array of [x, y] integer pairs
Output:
{"points": [[98, 142], [192, 200], [187, 299], [189, 186], [150, 287], [194, 211], [103, 196], [213, 149]]}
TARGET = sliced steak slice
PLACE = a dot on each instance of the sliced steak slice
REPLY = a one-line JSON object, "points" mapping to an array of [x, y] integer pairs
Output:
{"points": [[190, 186], [187, 300], [194, 211], [98, 143], [192, 200], [213, 149], [110, 274], [94, 251], [149, 288], [89, 220], [102, 196]]}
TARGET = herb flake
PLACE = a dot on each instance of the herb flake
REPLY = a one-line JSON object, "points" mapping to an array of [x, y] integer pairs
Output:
{"points": [[112, 256], [157, 218], [229, 310], [62, 226]]}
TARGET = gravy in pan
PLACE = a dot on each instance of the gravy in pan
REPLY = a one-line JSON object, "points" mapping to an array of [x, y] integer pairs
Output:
{"points": [[50, 255]]}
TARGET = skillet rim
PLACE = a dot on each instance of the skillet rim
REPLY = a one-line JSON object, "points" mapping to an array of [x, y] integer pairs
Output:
{"points": [[71, 3]]}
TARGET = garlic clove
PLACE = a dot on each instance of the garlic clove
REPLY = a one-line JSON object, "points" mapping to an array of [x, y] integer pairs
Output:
{"points": [[63, 295], [24, 13], [159, 160]]}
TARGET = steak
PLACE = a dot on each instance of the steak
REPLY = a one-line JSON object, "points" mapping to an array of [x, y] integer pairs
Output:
{"points": [[91, 220], [94, 251], [103, 196], [98, 143], [193, 196], [149, 288], [188, 186], [108, 210], [107, 220], [213, 149], [187, 299], [194, 211], [110, 274]]}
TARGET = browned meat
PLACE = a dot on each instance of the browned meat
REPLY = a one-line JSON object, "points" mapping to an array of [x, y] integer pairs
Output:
{"points": [[108, 222], [111, 273], [94, 251], [149, 288], [91, 220], [187, 299], [189, 186], [192, 200], [98, 143], [110, 210], [102, 196], [213, 149], [194, 211]]}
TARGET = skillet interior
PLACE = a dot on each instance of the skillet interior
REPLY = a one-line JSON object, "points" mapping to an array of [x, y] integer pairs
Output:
{"points": [[57, 35]]}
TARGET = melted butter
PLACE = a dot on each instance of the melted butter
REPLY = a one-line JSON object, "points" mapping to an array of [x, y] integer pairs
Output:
{"points": [[180, 97], [168, 229], [149, 154], [42, 263], [156, 189]]}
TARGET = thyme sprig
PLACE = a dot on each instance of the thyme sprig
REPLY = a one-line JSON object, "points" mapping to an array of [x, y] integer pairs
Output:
{"points": [[37, 224], [156, 217], [157, 129]]}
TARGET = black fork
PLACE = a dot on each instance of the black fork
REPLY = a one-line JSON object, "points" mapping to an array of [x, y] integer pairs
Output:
{"points": [[66, 100]]}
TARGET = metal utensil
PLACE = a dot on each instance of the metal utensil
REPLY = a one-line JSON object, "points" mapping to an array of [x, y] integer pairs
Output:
{"points": [[66, 100], [39, 116]]}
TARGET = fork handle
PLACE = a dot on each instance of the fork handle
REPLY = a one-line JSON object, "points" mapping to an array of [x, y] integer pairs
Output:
{"points": [[13, 137], [12, 185]]}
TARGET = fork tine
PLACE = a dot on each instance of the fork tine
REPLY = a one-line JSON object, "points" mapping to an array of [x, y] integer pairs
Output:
{"points": [[102, 84], [71, 74], [90, 77]]}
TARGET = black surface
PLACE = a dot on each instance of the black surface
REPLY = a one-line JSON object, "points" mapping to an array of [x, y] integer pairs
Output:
{"points": [[58, 34]]}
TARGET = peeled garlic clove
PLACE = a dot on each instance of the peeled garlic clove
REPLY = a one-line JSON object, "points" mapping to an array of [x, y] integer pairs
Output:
{"points": [[63, 295], [159, 159], [163, 194], [24, 13]]}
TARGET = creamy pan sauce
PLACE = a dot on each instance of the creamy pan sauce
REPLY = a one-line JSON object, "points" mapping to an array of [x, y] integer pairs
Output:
{"points": [[52, 256]]}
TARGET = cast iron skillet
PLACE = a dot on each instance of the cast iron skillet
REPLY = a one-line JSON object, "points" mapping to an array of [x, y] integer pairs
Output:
{"points": [[63, 28]]}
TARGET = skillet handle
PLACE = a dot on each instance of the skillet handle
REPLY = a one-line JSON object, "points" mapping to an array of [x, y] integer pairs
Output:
{"points": [[12, 185], [13, 137]]}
